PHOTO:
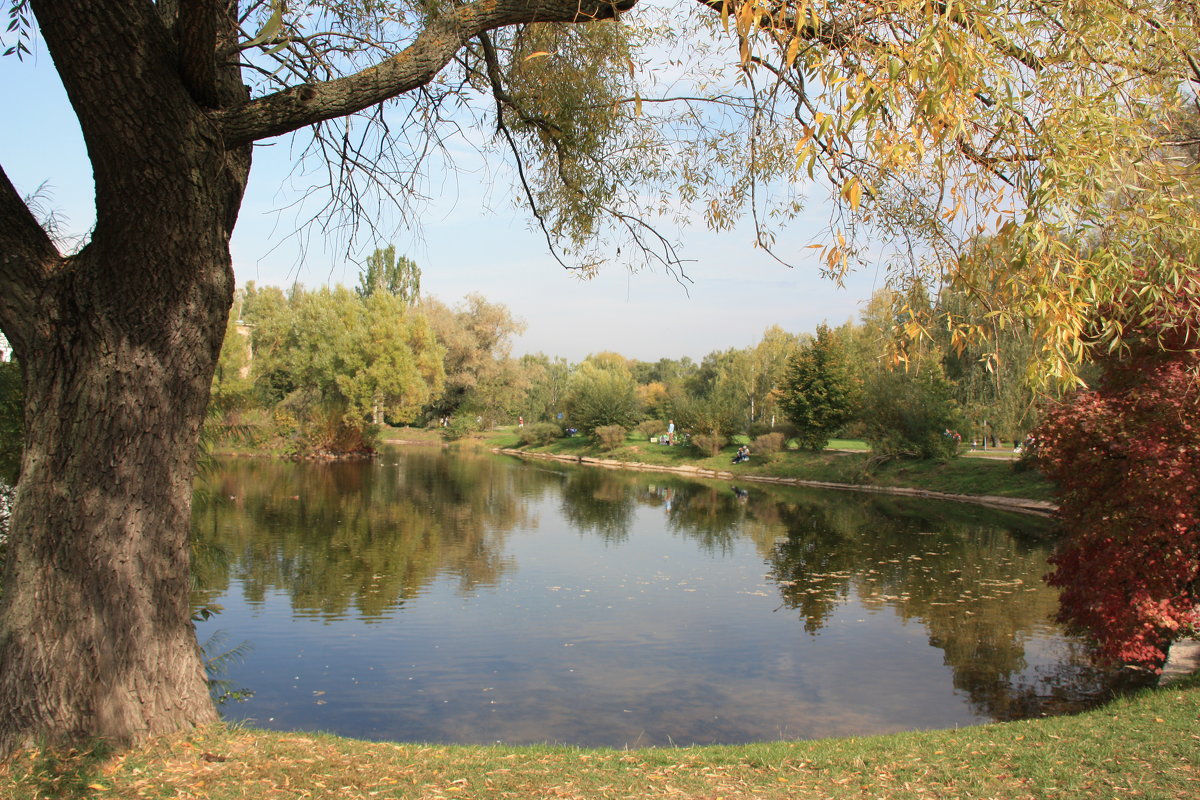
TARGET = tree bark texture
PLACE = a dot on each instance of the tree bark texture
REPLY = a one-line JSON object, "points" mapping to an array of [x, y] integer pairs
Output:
{"points": [[95, 632], [118, 345]]}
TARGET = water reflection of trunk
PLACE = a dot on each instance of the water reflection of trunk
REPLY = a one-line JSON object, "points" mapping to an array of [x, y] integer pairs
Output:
{"points": [[357, 536], [976, 588]]}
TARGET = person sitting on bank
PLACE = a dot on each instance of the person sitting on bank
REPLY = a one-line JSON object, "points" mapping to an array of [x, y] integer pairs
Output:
{"points": [[743, 454]]}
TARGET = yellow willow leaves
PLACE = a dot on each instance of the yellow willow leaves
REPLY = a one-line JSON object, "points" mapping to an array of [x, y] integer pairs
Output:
{"points": [[962, 118], [793, 50], [852, 192]]}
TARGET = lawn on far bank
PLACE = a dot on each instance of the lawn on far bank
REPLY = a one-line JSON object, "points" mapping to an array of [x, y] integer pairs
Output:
{"points": [[1144, 746], [844, 461]]}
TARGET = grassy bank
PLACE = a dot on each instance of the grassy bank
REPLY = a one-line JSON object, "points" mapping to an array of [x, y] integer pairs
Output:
{"points": [[851, 463], [1146, 746]]}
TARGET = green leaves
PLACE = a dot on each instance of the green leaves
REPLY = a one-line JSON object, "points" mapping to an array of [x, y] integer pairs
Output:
{"points": [[602, 394], [349, 360], [20, 25], [271, 27]]}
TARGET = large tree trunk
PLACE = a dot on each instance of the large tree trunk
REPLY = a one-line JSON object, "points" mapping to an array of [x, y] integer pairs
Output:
{"points": [[96, 632], [96, 638], [118, 345]]}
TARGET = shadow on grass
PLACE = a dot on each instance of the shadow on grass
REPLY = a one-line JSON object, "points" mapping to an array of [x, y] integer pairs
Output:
{"points": [[67, 774]]}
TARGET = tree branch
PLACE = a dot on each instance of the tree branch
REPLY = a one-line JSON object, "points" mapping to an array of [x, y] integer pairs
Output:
{"points": [[415, 66], [502, 100], [25, 251]]}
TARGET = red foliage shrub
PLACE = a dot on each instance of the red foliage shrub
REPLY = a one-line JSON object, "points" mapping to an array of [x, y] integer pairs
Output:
{"points": [[1126, 458]]}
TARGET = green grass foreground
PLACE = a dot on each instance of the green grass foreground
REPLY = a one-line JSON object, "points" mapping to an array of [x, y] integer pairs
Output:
{"points": [[846, 461], [1144, 746]]}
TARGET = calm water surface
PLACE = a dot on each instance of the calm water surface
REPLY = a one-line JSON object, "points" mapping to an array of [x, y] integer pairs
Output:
{"points": [[473, 598]]}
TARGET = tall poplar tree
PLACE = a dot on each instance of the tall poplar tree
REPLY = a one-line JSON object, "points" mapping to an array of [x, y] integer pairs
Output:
{"points": [[384, 273]]}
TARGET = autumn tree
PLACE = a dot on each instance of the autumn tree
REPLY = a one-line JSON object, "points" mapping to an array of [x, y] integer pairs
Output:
{"points": [[601, 393], [1126, 458], [482, 379], [771, 356], [927, 119], [717, 398], [547, 379], [911, 413], [343, 361], [996, 385]]}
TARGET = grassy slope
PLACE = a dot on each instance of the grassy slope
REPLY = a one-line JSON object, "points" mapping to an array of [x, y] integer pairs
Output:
{"points": [[1144, 746], [965, 475]]}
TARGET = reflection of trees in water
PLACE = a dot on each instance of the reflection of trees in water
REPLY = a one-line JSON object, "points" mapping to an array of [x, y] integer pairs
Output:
{"points": [[603, 502], [709, 515], [972, 578], [599, 501], [368, 537], [365, 535]]}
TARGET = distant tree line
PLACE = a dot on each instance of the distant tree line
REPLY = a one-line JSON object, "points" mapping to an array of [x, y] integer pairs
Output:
{"points": [[319, 371]]}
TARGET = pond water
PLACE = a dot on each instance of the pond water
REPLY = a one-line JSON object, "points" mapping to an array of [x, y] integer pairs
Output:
{"points": [[473, 598]]}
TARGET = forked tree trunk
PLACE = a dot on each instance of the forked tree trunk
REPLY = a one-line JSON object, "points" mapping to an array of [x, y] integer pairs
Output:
{"points": [[96, 639], [118, 345]]}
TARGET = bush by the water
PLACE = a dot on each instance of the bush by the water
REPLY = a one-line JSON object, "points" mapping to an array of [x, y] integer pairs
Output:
{"points": [[912, 414], [610, 437], [768, 443], [709, 444], [652, 427], [538, 434], [460, 426]]}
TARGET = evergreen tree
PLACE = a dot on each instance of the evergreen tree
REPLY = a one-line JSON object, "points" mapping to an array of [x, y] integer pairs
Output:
{"points": [[820, 391]]}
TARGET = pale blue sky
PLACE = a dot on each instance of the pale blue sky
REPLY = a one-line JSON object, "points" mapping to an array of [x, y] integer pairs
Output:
{"points": [[474, 239]]}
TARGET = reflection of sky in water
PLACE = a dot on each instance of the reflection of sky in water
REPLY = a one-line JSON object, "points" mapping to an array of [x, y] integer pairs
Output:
{"points": [[649, 639]]}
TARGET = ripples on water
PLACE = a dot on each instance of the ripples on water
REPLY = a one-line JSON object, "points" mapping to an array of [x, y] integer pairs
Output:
{"points": [[470, 598]]}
